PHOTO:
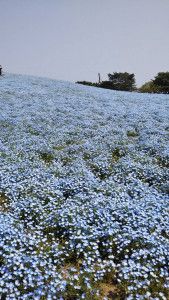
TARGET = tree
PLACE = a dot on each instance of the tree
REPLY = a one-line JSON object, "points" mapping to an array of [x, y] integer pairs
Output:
{"points": [[161, 81], [148, 87], [122, 81]]}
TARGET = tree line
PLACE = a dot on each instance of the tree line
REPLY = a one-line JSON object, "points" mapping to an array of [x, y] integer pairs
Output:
{"points": [[123, 81]]}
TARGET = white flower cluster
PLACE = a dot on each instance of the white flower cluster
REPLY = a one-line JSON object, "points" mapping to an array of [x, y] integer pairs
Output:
{"points": [[83, 192]]}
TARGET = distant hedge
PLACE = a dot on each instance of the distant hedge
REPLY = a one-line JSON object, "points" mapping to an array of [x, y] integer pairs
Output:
{"points": [[87, 83]]}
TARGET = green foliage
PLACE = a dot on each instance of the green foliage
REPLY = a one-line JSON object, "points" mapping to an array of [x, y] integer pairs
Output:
{"points": [[132, 133], [47, 157], [122, 81], [106, 85], [117, 81], [88, 83], [4, 202], [117, 153], [1, 260], [148, 87], [161, 81], [160, 84]]}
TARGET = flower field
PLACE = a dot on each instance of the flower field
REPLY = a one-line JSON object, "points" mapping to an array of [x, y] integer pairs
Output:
{"points": [[84, 205]]}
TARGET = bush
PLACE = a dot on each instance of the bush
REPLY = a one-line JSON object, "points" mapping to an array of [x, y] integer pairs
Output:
{"points": [[106, 85], [148, 87], [87, 83]]}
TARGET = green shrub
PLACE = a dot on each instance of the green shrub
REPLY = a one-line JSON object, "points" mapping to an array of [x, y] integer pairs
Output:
{"points": [[148, 87]]}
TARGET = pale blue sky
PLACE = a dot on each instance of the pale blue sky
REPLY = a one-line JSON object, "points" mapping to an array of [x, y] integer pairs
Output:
{"points": [[75, 39]]}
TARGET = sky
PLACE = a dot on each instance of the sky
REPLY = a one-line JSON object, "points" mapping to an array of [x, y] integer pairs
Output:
{"points": [[77, 39]]}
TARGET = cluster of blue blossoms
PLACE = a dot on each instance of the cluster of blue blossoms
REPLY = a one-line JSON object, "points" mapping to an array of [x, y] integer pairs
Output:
{"points": [[83, 192]]}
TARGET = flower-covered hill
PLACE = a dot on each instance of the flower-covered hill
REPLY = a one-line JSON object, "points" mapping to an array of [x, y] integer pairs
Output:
{"points": [[83, 192]]}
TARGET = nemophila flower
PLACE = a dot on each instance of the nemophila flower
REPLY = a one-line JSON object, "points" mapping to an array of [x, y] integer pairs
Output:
{"points": [[82, 196]]}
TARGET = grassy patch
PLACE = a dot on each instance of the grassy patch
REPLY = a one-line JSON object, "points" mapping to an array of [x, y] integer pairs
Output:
{"points": [[86, 156], [110, 291], [132, 133], [4, 202], [162, 161], [117, 153], [59, 147], [100, 172], [47, 157], [66, 160]]}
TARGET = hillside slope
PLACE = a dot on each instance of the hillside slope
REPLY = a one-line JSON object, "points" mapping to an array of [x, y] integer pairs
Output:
{"points": [[83, 192]]}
